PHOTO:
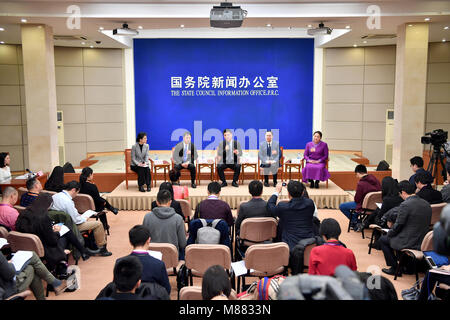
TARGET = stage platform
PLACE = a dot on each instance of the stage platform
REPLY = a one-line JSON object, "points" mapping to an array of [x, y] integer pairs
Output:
{"points": [[132, 199]]}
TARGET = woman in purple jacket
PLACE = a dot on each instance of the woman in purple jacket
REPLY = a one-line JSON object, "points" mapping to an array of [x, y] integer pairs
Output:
{"points": [[316, 155]]}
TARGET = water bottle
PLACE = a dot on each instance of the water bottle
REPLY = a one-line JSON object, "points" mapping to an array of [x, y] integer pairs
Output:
{"points": [[298, 155], [156, 157]]}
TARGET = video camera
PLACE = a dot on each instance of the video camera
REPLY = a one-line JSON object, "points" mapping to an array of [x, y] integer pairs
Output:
{"points": [[436, 137]]}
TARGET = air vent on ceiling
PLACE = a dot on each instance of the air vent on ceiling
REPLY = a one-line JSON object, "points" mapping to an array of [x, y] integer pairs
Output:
{"points": [[69, 38], [378, 36]]}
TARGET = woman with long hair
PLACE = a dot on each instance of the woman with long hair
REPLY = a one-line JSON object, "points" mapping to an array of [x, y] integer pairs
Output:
{"points": [[56, 180], [5, 171], [35, 219]]}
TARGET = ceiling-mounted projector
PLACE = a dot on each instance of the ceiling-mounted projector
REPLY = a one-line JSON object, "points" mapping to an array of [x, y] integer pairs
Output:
{"points": [[320, 30], [125, 31], [227, 16]]}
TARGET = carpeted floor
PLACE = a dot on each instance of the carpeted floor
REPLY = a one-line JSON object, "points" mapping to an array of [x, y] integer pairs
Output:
{"points": [[98, 271]]}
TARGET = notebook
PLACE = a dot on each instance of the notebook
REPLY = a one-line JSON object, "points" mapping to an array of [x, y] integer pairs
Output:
{"points": [[20, 259]]}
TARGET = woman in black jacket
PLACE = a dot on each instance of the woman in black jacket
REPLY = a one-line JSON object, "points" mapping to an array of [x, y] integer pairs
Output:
{"points": [[175, 204], [56, 180], [34, 219], [87, 186]]}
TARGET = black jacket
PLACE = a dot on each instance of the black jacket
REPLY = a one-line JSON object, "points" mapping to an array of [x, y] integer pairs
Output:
{"points": [[251, 209], [296, 218], [7, 283], [92, 190], [146, 291], [412, 223], [429, 194]]}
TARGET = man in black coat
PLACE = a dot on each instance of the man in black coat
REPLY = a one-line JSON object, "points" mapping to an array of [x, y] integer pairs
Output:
{"points": [[426, 191], [184, 155], [296, 216], [410, 227], [256, 207], [229, 152]]}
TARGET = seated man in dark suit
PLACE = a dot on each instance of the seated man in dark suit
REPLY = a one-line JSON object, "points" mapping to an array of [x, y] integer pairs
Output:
{"points": [[34, 186], [228, 154], [417, 167], [184, 156], [256, 207], [412, 223], [296, 216], [425, 190], [154, 270], [213, 207]]}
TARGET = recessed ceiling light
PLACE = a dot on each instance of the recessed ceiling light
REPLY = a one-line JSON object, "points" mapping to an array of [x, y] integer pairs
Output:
{"points": [[364, 41], [140, 27], [2, 42], [427, 19], [101, 28], [83, 43], [443, 40], [2, 29], [347, 27], [446, 28], [309, 25], [91, 47], [410, 25], [23, 20], [268, 25], [181, 25], [355, 45]]}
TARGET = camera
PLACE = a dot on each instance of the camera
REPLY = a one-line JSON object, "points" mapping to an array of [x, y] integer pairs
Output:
{"points": [[436, 137], [284, 184]]}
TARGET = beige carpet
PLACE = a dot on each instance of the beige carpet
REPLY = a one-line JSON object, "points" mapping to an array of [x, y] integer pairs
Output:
{"points": [[98, 271], [132, 199]]}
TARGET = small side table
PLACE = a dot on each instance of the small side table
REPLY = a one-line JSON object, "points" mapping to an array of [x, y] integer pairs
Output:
{"points": [[157, 166], [249, 165], [288, 168], [208, 164]]}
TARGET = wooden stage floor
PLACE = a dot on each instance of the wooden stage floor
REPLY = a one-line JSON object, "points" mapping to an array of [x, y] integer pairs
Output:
{"points": [[132, 199]]}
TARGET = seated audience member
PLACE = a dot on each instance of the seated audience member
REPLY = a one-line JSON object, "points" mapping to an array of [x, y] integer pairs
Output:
{"points": [[325, 258], [296, 216], [165, 225], [256, 207], [425, 190], [35, 219], [8, 214], [34, 186], [63, 201], [127, 278], [174, 204], [56, 180], [417, 167], [213, 207], [445, 191], [412, 223], [430, 280], [31, 276], [216, 284], [179, 192], [154, 270], [384, 292], [87, 186], [5, 171], [367, 183]]}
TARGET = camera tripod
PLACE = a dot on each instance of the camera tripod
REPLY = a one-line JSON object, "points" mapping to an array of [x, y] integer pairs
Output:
{"points": [[436, 156]]}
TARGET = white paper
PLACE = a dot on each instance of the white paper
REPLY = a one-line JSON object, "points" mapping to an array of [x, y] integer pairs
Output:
{"points": [[20, 258], [239, 268], [440, 271], [378, 205], [63, 230], [3, 242], [88, 214], [298, 161], [385, 230], [155, 254], [158, 161]]}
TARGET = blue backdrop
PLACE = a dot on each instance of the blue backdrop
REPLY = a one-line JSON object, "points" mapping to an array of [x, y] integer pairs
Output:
{"points": [[249, 85]]}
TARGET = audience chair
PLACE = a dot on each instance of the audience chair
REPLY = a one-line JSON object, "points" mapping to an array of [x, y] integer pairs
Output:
{"points": [[375, 229], [267, 260], [186, 209], [416, 255], [25, 241], [254, 231], [195, 293], [3, 232], [169, 256], [306, 255], [436, 210], [20, 192], [199, 257], [368, 207], [84, 202], [130, 174]]}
